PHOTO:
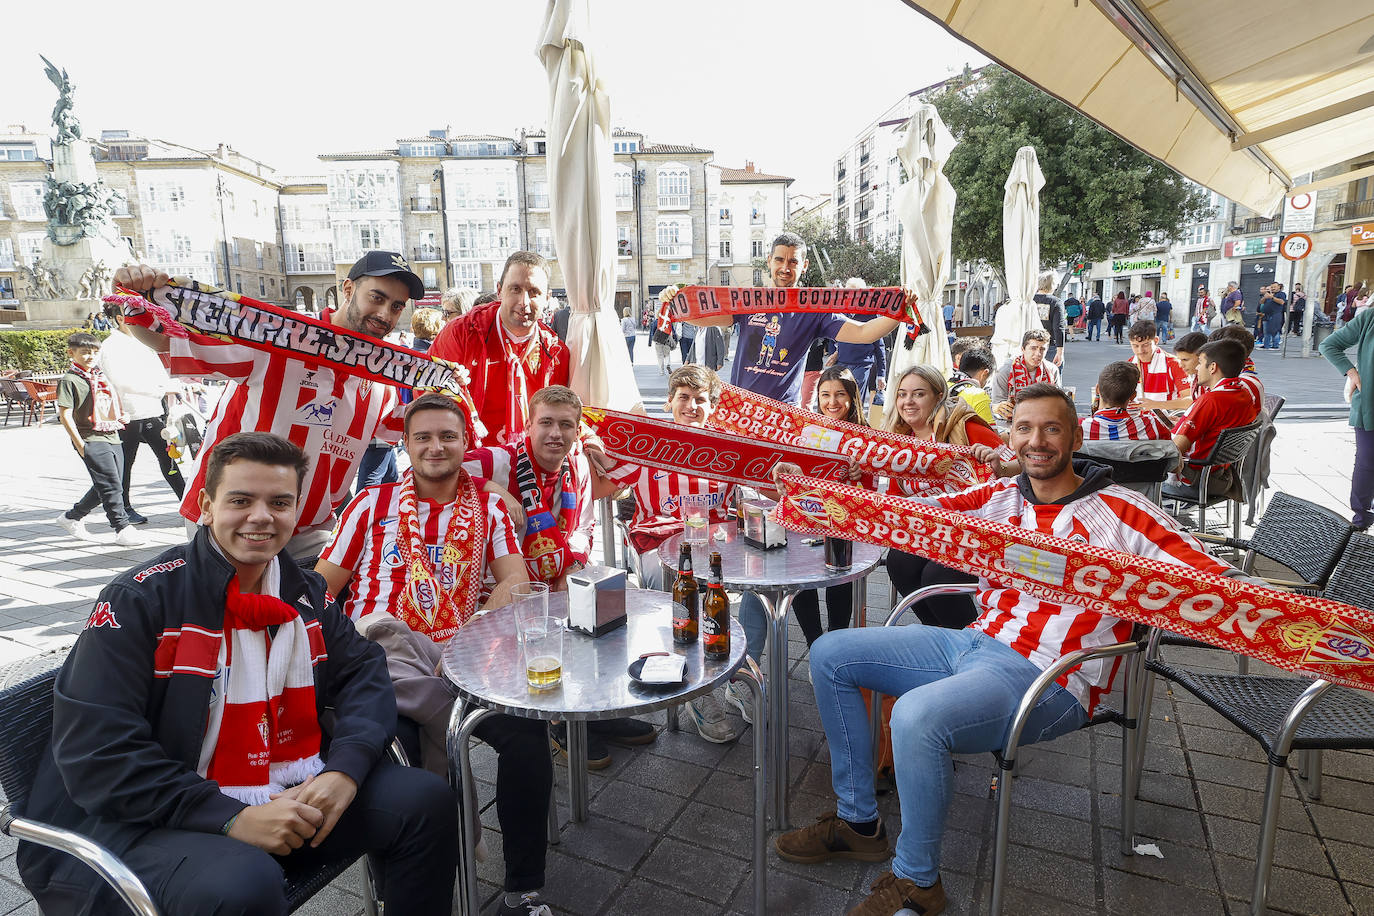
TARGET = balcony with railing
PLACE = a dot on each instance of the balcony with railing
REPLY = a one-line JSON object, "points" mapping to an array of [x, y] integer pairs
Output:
{"points": [[310, 266], [840, 173], [426, 253], [623, 202], [1355, 209], [674, 252], [539, 201], [424, 205], [1262, 224]]}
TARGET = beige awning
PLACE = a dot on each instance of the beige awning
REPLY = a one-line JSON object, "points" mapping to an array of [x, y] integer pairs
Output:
{"points": [[1241, 97]]}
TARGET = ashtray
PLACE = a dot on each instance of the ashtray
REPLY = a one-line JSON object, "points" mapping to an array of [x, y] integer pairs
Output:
{"points": [[636, 669]]}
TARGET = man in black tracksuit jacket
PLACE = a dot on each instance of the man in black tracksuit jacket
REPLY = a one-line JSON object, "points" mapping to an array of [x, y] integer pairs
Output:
{"points": [[129, 719]]}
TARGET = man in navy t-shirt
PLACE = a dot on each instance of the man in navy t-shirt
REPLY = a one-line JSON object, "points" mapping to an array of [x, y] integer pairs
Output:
{"points": [[771, 354]]}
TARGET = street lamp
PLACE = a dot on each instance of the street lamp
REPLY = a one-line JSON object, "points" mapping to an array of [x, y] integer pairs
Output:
{"points": [[443, 221]]}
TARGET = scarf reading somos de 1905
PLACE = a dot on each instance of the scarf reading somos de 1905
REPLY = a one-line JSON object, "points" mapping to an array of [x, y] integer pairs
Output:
{"points": [[1315, 636], [263, 731]]}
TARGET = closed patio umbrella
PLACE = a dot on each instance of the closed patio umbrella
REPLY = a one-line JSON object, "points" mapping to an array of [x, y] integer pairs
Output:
{"points": [[925, 205], [1020, 253], [582, 208]]}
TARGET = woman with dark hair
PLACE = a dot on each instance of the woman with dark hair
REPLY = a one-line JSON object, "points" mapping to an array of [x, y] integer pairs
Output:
{"points": [[1121, 309], [837, 393]]}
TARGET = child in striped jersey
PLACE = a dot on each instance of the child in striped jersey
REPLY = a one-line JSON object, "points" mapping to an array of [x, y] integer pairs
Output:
{"points": [[1116, 418]]}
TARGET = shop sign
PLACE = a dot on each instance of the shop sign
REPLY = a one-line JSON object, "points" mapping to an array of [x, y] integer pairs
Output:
{"points": [[1121, 267], [1362, 234], [1267, 245]]}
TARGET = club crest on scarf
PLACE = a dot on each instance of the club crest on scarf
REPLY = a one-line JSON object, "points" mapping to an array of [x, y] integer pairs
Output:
{"points": [[442, 585]]}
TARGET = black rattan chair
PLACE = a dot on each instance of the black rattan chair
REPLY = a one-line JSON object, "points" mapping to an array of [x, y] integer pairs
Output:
{"points": [[1007, 756], [1231, 447], [1257, 461], [26, 705], [1283, 714]]}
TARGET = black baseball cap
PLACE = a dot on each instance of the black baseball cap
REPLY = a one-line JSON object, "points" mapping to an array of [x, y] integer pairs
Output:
{"points": [[386, 264]]}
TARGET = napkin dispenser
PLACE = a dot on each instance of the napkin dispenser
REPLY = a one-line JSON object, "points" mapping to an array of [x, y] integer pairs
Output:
{"points": [[596, 600], [760, 530]]}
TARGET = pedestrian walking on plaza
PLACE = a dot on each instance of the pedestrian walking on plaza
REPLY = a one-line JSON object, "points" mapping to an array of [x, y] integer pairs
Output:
{"points": [[1121, 310], [1357, 334], [1202, 310], [1143, 307], [1273, 308], [140, 382], [687, 343], [1164, 310], [91, 414], [1096, 311], [627, 327], [1233, 305], [1051, 311], [1297, 309]]}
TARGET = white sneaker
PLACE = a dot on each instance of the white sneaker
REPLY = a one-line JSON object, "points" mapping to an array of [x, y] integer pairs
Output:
{"points": [[128, 537], [76, 527], [709, 716], [739, 696]]}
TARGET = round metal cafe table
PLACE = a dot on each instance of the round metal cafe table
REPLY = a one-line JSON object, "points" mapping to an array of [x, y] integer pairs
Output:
{"points": [[484, 663], [775, 576]]}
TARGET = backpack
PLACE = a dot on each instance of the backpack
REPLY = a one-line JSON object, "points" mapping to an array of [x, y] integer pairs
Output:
{"points": [[1348, 313]]}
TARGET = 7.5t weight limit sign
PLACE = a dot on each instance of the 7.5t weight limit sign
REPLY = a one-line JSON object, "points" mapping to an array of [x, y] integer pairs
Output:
{"points": [[1297, 246]]}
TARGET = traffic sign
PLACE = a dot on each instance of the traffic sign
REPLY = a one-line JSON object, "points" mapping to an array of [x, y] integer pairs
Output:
{"points": [[1299, 213], [1297, 246]]}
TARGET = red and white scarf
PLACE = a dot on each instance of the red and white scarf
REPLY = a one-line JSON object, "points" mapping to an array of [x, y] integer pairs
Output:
{"points": [[1022, 376], [521, 366], [547, 519], [263, 732], [105, 409], [441, 597]]}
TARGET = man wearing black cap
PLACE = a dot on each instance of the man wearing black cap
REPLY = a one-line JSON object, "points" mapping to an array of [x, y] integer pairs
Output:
{"points": [[331, 415]]}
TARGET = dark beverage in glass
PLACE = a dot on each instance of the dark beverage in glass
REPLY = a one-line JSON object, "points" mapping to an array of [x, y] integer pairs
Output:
{"points": [[715, 615], [685, 595], [839, 553]]}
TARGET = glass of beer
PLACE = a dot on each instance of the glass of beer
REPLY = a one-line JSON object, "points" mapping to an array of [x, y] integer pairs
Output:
{"points": [[543, 641], [528, 599], [696, 519]]}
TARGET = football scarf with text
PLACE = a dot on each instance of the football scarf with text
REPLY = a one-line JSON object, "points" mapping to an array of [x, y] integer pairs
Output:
{"points": [[442, 594], [105, 409], [547, 520], [695, 302]]}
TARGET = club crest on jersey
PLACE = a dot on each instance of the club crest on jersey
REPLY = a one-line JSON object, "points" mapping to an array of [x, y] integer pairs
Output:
{"points": [[102, 616], [391, 554], [317, 414]]}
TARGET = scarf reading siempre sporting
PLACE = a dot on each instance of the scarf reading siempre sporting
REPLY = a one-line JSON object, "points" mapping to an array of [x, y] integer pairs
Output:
{"points": [[694, 302], [265, 734], [1022, 376], [440, 597], [547, 521], [105, 408], [1314, 636], [890, 454]]}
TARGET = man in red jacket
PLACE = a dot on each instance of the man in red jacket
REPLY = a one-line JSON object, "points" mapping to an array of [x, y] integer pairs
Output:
{"points": [[508, 350]]}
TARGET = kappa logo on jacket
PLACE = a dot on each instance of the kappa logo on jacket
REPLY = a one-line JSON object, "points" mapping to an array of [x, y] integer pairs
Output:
{"points": [[102, 616]]}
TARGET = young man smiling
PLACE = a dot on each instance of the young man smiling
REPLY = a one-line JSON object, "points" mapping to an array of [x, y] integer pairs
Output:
{"points": [[1027, 368], [330, 415], [956, 689], [187, 736]]}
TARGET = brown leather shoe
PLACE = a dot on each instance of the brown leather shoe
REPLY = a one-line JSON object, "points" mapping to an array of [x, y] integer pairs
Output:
{"points": [[831, 838], [890, 894]]}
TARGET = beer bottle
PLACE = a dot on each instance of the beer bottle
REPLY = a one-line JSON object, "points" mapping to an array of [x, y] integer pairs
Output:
{"points": [[715, 614], [686, 594]]}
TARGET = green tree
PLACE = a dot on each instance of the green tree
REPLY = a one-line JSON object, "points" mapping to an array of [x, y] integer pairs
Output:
{"points": [[1102, 196], [834, 256]]}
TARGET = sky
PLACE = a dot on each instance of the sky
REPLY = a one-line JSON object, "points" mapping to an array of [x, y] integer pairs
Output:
{"points": [[785, 84]]}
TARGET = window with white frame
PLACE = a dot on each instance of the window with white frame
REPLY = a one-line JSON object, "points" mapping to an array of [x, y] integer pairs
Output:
{"points": [[756, 247], [624, 246], [725, 254], [430, 275], [27, 197], [674, 186], [467, 274], [725, 278], [624, 188], [309, 258], [18, 152], [539, 195], [364, 189], [758, 277], [6, 254], [756, 210], [31, 247], [674, 237], [543, 243], [726, 217]]}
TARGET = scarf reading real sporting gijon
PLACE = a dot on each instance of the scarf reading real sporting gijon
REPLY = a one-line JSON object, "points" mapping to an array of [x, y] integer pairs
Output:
{"points": [[890, 454], [1314, 636], [263, 732], [441, 594]]}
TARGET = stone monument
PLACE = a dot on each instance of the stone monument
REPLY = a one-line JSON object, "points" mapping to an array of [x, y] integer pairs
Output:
{"points": [[83, 247]]}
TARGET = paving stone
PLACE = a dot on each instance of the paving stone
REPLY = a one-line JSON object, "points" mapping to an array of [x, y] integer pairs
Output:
{"points": [[575, 885], [677, 777], [1073, 801], [1049, 831], [641, 896], [1291, 890], [1044, 872], [694, 869], [1292, 849], [637, 805], [1133, 894], [1189, 865], [789, 893], [728, 832], [611, 843]]}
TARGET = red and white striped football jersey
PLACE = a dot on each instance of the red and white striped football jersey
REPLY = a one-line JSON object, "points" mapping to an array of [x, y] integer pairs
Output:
{"points": [[1162, 378], [1121, 423], [658, 501], [1112, 517], [365, 544], [331, 416], [497, 464]]}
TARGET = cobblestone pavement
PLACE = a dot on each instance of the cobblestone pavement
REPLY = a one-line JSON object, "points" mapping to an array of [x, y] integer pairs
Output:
{"points": [[670, 822]]}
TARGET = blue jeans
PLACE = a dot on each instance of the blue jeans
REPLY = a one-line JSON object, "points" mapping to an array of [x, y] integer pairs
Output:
{"points": [[754, 619], [1273, 330], [957, 689], [378, 465], [1094, 329]]}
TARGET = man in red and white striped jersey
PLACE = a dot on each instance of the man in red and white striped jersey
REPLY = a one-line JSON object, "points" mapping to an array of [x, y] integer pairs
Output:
{"points": [[330, 415], [957, 689], [1163, 383], [1116, 418], [414, 555]]}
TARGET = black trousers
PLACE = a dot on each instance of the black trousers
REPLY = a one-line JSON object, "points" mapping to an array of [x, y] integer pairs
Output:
{"points": [[149, 431], [524, 782], [405, 817], [839, 610], [909, 572], [105, 463]]}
